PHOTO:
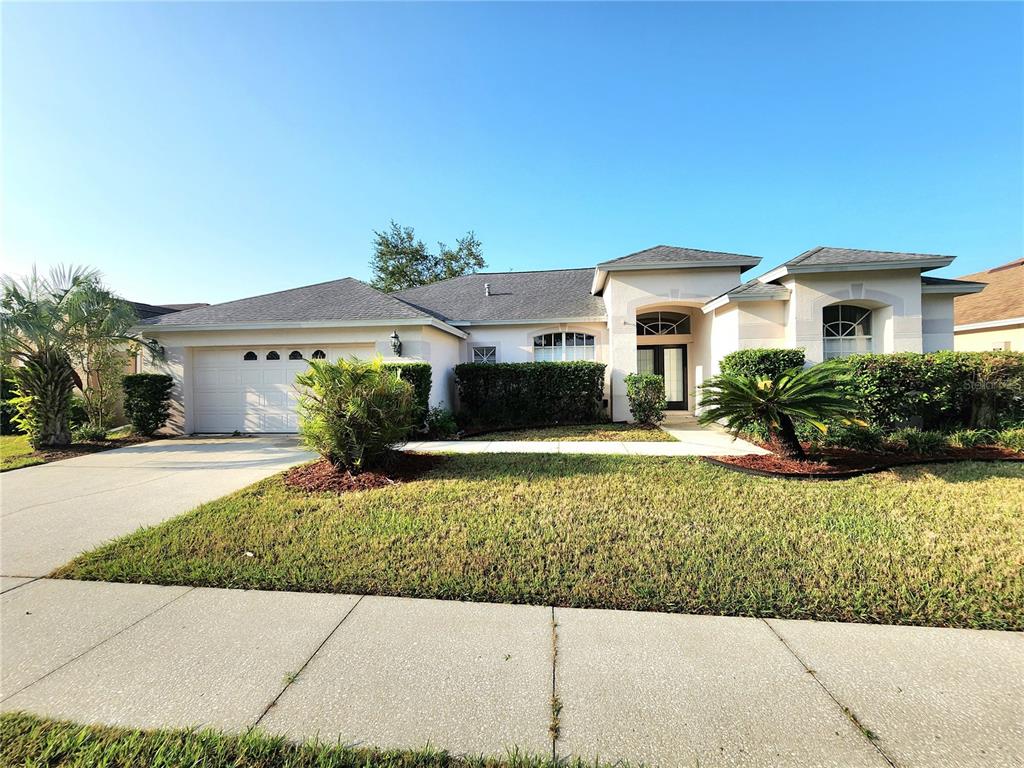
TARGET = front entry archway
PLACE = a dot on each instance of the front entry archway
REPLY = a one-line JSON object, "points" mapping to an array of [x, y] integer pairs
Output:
{"points": [[669, 362]]}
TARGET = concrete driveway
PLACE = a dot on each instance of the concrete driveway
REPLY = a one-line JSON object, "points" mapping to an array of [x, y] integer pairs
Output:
{"points": [[52, 512]]}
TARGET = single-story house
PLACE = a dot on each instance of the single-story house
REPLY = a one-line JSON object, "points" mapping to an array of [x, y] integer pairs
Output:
{"points": [[993, 319], [668, 310]]}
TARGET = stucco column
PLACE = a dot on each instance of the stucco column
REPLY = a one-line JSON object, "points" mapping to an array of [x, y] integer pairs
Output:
{"points": [[622, 361]]}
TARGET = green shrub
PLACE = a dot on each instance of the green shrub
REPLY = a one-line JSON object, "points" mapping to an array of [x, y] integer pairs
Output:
{"points": [[939, 390], [440, 424], [646, 395], [917, 441], [88, 433], [971, 438], [1012, 439], [147, 401], [855, 437], [7, 409], [769, 363], [352, 412], [417, 374], [529, 394]]}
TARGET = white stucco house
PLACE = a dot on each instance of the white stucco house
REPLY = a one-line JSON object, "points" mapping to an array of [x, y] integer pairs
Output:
{"points": [[673, 311]]}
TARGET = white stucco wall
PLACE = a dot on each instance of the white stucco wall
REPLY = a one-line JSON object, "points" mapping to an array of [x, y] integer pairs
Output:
{"points": [[762, 324], [629, 292], [419, 343], [894, 296], [936, 322]]}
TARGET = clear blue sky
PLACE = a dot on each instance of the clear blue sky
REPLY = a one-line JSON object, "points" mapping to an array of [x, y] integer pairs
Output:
{"points": [[203, 152]]}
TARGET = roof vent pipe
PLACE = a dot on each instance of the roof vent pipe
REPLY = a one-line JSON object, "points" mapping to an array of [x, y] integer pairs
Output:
{"points": [[487, 289]]}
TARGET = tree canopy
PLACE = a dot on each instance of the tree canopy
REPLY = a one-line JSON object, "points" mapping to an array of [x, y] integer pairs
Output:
{"points": [[400, 260]]}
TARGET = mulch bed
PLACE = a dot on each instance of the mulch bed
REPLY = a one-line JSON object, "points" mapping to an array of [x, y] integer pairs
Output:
{"points": [[839, 463], [323, 477], [82, 449]]}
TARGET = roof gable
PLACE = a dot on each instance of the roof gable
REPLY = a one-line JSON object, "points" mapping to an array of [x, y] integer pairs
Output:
{"points": [[674, 256]]}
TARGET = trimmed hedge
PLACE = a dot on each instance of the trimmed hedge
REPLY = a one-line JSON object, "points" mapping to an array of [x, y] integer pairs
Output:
{"points": [[417, 374], [529, 394], [646, 395], [762, 362], [147, 401], [938, 390]]}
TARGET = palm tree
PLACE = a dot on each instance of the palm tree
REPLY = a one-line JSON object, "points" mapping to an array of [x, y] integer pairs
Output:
{"points": [[745, 401], [43, 321]]}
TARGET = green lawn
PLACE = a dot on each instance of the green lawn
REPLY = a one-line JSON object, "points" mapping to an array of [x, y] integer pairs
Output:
{"points": [[937, 545], [36, 742], [585, 432], [15, 452]]}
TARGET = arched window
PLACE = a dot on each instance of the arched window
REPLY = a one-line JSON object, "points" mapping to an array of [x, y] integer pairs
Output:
{"points": [[845, 330], [563, 346], [295, 355], [662, 324], [319, 355], [250, 355], [273, 355]]}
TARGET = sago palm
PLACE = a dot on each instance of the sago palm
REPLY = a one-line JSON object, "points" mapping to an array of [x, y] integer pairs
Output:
{"points": [[44, 322], [746, 401]]}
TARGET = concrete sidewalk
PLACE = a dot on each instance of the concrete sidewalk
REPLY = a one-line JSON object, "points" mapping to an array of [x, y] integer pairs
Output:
{"points": [[51, 512], [671, 690]]}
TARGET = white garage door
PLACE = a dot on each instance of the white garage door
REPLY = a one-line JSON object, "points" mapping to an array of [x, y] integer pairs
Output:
{"points": [[252, 389]]}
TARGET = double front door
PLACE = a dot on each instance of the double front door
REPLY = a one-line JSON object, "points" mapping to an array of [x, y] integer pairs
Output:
{"points": [[669, 362]]}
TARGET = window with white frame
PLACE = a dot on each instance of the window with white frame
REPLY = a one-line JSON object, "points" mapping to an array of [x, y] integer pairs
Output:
{"points": [[485, 354], [846, 330], [662, 324], [564, 346]]}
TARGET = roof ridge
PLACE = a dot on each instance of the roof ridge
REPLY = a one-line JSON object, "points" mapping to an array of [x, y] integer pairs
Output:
{"points": [[275, 293]]}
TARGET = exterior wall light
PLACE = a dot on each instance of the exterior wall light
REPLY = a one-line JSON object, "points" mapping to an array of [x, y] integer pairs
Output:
{"points": [[396, 344]]}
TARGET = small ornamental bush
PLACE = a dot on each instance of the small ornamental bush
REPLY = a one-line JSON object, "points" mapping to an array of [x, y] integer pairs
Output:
{"points": [[87, 433], [917, 441], [147, 401], [646, 394], [499, 395], [971, 438], [769, 363], [440, 424], [352, 412], [1012, 439], [855, 437]]}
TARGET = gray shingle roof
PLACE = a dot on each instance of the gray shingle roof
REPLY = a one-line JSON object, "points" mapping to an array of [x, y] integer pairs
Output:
{"points": [[827, 256], [666, 255], [756, 290], [515, 296], [345, 299]]}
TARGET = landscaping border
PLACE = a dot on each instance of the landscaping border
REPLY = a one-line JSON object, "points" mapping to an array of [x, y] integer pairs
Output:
{"points": [[850, 473]]}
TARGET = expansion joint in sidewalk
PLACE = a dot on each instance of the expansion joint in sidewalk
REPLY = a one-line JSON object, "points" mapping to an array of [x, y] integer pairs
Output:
{"points": [[295, 676], [92, 648], [556, 702], [849, 713]]}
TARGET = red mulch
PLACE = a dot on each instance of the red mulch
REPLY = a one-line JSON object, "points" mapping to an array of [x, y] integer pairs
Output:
{"points": [[322, 476], [82, 449], [840, 461]]}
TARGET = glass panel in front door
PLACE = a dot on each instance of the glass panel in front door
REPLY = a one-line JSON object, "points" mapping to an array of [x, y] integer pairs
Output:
{"points": [[675, 376], [645, 360]]}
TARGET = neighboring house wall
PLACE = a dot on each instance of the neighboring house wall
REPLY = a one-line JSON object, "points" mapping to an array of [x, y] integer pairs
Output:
{"points": [[1008, 337]]}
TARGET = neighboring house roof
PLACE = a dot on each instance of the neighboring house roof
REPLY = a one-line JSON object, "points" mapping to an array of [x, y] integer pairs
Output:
{"points": [[181, 307], [339, 302], [560, 294], [1002, 299], [829, 259]]}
